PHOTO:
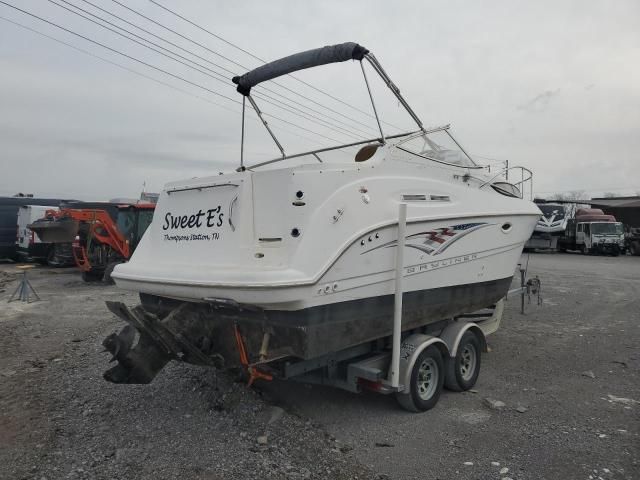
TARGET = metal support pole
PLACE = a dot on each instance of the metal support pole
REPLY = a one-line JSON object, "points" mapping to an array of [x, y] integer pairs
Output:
{"points": [[523, 272], [394, 371], [395, 90], [375, 112], [328, 149], [266, 125], [242, 135], [458, 145]]}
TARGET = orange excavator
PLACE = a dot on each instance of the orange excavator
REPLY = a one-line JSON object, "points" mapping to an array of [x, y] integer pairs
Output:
{"points": [[102, 234]]}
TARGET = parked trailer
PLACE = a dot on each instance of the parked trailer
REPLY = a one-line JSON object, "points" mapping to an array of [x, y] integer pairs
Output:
{"points": [[443, 354]]}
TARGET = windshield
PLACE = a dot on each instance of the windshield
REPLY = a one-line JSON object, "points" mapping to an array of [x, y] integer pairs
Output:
{"points": [[548, 211], [606, 228], [439, 146]]}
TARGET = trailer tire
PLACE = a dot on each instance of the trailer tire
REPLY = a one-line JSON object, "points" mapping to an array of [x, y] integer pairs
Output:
{"points": [[634, 248], [51, 257], [425, 382], [462, 371]]}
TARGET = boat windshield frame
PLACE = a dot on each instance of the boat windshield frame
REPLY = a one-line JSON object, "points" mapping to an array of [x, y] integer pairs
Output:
{"points": [[424, 133], [315, 58]]}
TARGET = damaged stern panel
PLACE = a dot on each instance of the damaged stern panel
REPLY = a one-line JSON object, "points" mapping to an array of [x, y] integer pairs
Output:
{"points": [[196, 333]]}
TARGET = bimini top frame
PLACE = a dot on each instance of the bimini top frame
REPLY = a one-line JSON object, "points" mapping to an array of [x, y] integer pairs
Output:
{"points": [[314, 58]]}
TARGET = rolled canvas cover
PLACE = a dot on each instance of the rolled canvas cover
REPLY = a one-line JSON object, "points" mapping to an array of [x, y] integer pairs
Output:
{"points": [[299, 61]]}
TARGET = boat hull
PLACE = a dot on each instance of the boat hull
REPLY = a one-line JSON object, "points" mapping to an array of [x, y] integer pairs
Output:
{"points": [[479, 251], [319, 330]]}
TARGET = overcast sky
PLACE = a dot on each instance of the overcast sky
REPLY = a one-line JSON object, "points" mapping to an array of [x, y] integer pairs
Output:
{"points": [[551, 85]]}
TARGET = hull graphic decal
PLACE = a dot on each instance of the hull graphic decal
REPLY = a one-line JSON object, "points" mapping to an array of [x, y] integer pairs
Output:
{"points": [[437, 240]]}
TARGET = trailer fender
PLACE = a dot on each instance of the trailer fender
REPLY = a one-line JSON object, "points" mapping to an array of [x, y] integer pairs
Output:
{"points": [[492, 324], [453, 333], [411, 347]]}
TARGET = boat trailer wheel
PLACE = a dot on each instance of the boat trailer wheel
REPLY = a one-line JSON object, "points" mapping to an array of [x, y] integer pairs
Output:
{"points": [[425, 383], [464, 368], [467, 361], [427, 378]]}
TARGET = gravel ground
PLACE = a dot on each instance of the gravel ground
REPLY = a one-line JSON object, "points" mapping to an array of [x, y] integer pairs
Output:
{"points": [[571, 367], [60, 419], [567, 372]]}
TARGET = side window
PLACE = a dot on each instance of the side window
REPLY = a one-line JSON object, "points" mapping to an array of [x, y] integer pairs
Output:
{"points": [[586, 229], [126, 222], [580, 227], [144, 220]]}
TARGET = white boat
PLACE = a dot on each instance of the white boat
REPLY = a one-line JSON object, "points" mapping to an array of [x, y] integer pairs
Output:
{"points": [[312, 246]]}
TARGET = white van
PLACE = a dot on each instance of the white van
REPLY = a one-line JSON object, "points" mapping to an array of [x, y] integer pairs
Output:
{"points": [[28, 245]]}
